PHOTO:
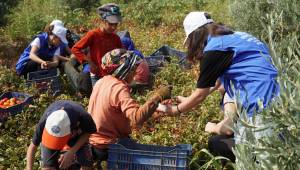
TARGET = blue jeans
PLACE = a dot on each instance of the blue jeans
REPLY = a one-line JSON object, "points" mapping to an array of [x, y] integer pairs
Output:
{"points": [[94, 79]]}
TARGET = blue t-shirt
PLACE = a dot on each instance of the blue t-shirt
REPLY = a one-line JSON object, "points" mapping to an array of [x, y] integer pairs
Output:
{"points": [[251, 77]]}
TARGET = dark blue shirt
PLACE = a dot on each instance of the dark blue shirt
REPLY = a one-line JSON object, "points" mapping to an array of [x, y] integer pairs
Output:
{"points": [[81, 121]]}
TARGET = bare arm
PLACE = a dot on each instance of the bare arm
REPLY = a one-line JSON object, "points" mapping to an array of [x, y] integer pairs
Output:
{"points": [[37, 59], [82, 140], [222, 128], [225, 126], [67, 158], [217, 85], [62, 58], [54, 62], [190, 102], [30, 156], [34, 57]]}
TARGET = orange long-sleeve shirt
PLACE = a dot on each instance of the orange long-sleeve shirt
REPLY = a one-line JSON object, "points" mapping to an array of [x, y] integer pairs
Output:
{"points": [[112, 109], [98, 43]]}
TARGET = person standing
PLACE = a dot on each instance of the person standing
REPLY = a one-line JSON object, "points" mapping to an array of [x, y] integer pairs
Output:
{"points": [[100, 40]]}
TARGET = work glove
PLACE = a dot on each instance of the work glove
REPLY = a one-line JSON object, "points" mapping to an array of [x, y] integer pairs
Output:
{"points": [[162, 93]]}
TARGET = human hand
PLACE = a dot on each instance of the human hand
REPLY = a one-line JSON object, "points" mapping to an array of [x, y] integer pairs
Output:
{"points": [[94, 68], [180, 99], [210, 127], [166, 109], [64, 59], [66, 160], [44, 65], [156, 115], [161, 108]]}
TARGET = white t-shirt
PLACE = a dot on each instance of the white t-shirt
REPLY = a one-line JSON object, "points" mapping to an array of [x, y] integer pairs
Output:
{"points": [[36, 42]]}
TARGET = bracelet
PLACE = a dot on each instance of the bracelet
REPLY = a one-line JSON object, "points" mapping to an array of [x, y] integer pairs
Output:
{"points": [[178, 110]]}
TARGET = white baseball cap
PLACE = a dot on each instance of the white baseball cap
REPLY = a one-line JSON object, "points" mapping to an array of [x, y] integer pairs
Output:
{"points": [[193, 21], [57, 22], [57, 130], [61, 33]]}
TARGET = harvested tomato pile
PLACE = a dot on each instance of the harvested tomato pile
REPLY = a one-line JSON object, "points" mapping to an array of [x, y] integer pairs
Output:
{"points": [[6, 102]]}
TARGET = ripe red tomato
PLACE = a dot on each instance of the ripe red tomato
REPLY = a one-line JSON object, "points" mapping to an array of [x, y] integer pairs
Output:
{"points": [[13, 99]]}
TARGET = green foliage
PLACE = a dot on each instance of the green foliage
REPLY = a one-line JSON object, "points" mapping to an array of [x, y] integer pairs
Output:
{"points": [[9, 80], [281, 149], [213, 161], [278, 28], [30, 17], [149, 13], [24, 23], [5, 6], [87, 5], [251, 16]]}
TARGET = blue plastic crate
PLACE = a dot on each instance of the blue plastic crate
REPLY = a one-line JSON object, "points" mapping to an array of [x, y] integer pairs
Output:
{"points": [[45, 79], [43, 74], [169, 51], [127, 154], [166, 50], [156, 62], [13, 110]]}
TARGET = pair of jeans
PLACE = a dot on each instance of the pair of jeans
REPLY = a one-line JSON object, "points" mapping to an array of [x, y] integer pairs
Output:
{"points": [[221, 145], [94, 79], [30, 66], [80, 81]]}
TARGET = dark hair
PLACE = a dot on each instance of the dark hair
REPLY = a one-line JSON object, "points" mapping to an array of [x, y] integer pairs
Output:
{"points": [[197, 40], [48, 29]]}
